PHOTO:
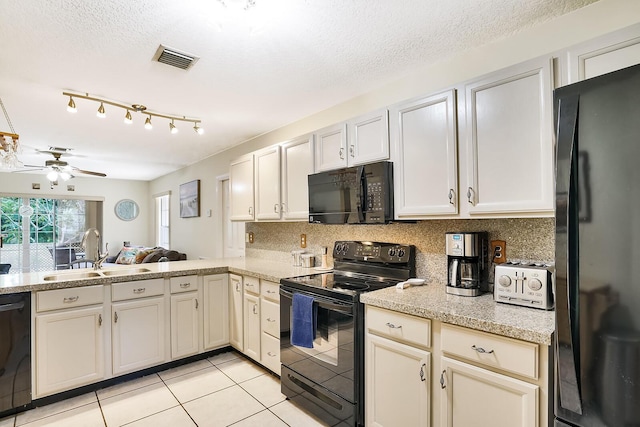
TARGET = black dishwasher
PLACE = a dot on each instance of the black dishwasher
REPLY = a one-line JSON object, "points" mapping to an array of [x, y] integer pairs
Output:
{"points": [[15, 352]]}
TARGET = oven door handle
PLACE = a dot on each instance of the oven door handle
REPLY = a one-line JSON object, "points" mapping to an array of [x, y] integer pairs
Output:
{"points": [[324, 303]]}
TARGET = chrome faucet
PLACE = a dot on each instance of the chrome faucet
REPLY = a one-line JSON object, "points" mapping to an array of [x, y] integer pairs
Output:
{"points": [[97, 257]]}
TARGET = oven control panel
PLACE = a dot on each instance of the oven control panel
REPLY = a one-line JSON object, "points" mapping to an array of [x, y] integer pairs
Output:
{"points": [[373, 251], [528, 284]]}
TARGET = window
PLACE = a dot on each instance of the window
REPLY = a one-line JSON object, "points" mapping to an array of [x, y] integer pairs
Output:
{"points": [[162, 220]]}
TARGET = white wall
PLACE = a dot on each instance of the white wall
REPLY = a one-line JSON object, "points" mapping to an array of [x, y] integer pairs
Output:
{"points": [[115, 231], [198, 237]]}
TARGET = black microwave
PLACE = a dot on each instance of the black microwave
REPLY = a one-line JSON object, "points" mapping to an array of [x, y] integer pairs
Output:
{"points": [[354, 195]]}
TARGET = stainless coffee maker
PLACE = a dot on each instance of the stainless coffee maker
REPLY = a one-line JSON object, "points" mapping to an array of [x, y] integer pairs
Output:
{"points": [[467, 263]]}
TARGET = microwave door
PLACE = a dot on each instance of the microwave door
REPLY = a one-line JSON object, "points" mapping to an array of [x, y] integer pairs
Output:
{"points": [[361, 194]]}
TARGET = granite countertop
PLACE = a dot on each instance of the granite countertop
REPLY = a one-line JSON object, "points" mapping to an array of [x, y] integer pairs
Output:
{"points": [[429, 301], [481, 313]]}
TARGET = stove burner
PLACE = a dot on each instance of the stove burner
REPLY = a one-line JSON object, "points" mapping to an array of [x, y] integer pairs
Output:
{"points": [[379, 283], [352, 286]]}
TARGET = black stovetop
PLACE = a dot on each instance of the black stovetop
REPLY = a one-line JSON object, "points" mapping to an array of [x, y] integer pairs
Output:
{"points": [[337, 285]]}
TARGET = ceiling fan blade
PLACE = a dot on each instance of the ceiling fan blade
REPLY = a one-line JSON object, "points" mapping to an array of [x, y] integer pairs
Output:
{"points": [[32, 168], [89, 172]]}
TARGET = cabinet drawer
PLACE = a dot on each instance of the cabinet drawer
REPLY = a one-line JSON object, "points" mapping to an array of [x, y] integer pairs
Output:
{"points": [[252, 285], [507, 354], [184, 284], [270, 353], [71, 297], [398, 326], [270, 312], [137, 289], [270, 290]]}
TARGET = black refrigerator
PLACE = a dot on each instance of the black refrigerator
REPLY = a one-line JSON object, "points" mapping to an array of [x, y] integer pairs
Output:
{"points": [[597, 343]]}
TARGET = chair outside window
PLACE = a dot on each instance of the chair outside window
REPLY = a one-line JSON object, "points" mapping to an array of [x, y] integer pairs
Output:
{"points": [[4, 268], [65, 258]]}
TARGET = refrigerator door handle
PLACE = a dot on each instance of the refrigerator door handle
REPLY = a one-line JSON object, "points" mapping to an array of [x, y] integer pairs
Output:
{"points": [[567, 346]]}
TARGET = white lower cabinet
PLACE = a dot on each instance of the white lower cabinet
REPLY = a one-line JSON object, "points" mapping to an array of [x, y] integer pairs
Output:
{"points": [[216, 311], [69, 349], [397, 384], [236, 318], [252, 326], [138, 328], [479, 397], [270, 325], [185, 316]]}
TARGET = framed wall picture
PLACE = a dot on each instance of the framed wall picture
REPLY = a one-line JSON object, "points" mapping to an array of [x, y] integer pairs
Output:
{"points": [[190, 199]]}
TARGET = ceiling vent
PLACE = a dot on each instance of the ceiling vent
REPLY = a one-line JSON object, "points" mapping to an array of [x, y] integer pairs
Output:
{"points": [[173, 57]]}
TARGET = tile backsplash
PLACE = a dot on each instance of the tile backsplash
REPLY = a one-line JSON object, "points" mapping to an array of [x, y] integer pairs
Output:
{"points": [[527, 238]]}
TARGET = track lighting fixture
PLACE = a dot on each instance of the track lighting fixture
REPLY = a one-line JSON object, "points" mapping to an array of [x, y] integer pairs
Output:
{"points": [[101, 112], [138, 108], [71, 106]]}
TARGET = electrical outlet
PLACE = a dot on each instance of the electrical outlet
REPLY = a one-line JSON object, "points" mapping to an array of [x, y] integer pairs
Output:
{"points": [[303, 240], [251, 237], [499, 251]]}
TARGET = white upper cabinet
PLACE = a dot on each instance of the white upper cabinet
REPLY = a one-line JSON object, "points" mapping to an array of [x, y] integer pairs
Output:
{"points": [[424, 139], [509, 141], [297, 164], [364, 139], [267, 183], [331, 145], [241, 181], [368, 138], [604, 55]]}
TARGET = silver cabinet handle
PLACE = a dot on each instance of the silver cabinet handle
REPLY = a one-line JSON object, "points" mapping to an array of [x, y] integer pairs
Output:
{"points": [[275, 208], [469, 194], [481, 350], [237, 287], [269, 291], [271, 354], [443, 383], [70, 299], [451, 195], [352, 150], [255, 308], [392, 326], [115, 317], [139, 290], [341, 153], [196, 303], [185, 285], [99, 319], [422, 375], [270, 320], [250, 210]]}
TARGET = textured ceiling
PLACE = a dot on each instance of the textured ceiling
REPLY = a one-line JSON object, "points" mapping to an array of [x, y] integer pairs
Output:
{"points": [[293, 59]]}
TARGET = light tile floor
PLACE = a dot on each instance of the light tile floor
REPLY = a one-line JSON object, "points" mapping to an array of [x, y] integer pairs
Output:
{"points": [[224, 390]]}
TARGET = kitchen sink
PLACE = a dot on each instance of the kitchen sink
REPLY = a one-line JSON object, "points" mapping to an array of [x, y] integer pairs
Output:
{"points": [[125, 271], [71, 276]]}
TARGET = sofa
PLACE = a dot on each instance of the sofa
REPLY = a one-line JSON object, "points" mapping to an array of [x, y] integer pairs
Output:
{"points": [[141, 255]]}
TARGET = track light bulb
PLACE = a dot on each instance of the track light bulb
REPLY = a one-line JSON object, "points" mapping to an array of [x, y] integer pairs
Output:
{"points": [[71, 106], [172, 128], [101, 112], [198, 129], [52, 176], [147, 123], [127, 118]]}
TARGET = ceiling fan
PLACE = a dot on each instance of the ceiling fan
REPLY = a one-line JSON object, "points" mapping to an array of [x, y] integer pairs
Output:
{"points": [[59, 168]]}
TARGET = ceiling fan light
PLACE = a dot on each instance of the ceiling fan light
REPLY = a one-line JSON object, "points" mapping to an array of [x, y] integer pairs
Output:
{"points": [[172, 128], [127, 118], [52, 176], [71, 106], [147, 123], [66, 176], [101, 112]]}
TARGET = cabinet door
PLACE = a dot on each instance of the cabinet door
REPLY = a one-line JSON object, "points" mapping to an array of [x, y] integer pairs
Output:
{"points": [[252, 326], [368, 138], [69, 350], [138, 334], [216, 311], [331, 147], [297, 164], [397, 384], [241, 182], [236, 319], [426, 159], [603, 55], [185, 325], [509, 139], [267, 183], [474, 396]]}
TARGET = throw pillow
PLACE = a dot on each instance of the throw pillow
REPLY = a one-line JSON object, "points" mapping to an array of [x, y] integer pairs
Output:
{"points": [[153, 257], [142, 254], [127, 255]]}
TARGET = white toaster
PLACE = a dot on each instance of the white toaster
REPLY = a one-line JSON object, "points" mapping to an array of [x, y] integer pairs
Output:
{"points": [[526, 284]]}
